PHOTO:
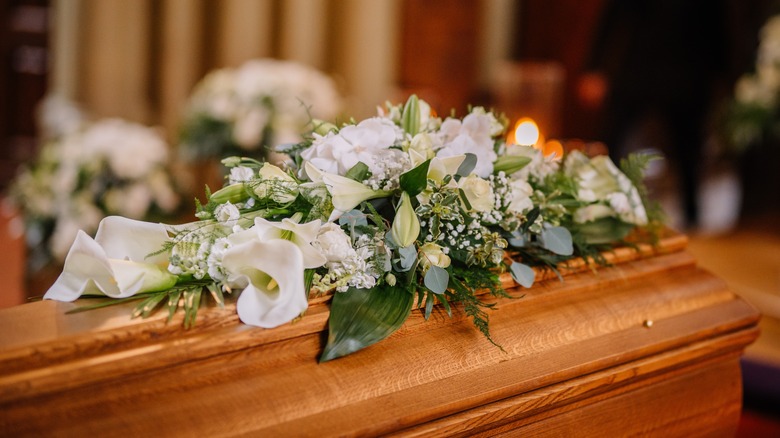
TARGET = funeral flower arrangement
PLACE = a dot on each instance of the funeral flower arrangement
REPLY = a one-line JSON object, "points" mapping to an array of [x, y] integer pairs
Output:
{"points": [[263, 102], [86, 171], [752, 116], [399, 211]]}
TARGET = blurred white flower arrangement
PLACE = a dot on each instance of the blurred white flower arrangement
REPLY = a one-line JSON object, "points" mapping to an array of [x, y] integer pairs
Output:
{"points": [[752, 115], [259, 105], [86, 171]]}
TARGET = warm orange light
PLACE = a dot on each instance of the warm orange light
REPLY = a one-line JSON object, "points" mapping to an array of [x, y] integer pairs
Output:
{"points": [[553, 147], [526, 132]]}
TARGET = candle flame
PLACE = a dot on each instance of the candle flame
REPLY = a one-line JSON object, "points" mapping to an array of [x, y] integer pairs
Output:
{"points": [[526, 132]]}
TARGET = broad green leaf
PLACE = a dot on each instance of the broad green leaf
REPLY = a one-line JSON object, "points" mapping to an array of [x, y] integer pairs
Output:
{"points": [[359, 172], [436, 279], [558, 240], [363, 317], [410, 118], [522, 274], [468, 165], [415, 180], [510, 164]]}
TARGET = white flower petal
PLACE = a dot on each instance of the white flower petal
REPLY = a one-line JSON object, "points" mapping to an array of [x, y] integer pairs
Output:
{"points": [[253, 266]]}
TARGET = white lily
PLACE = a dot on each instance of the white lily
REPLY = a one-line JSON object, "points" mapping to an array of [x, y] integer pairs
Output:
{"points": [[271, 276], [302, 235], [116, 263], [443, 166], [347, 194], [276, 184]]}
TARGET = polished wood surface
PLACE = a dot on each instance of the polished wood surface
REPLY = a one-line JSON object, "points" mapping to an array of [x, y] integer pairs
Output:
{"points": [[648, 346]]}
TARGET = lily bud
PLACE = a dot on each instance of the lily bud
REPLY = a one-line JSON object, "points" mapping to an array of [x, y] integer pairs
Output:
{"points": [[234, 193], [406, 225]]}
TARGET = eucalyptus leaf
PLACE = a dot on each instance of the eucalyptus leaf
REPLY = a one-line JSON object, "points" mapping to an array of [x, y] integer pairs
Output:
{"points": [[415, 180], [436, 279], [363, 317], [468, 165], [518, 239], [353, 218], [408, 257], [558, 240], [522, 274], [359, 172]]}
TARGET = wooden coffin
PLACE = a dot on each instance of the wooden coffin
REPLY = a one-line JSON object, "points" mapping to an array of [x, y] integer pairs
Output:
{"points": [[650, 345]]}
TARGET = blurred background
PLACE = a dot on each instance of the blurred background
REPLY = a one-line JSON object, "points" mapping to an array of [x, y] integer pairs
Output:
{"points": [[695, 81]]}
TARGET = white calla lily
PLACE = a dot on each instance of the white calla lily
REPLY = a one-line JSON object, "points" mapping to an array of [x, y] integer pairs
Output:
{"points": [[271, 276], [116, 263], [302, 235]]}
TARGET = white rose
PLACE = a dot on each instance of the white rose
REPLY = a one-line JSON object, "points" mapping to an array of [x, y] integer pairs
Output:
{"points": [[520, 197], [433, 254], [478, 192], [227, 214]]}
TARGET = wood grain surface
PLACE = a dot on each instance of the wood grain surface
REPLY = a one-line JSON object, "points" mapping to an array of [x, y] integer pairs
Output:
{"points": [[579, 357]]}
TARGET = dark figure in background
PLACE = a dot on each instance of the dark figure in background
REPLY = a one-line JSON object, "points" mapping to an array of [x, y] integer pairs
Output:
{"points": [[660, 59]]}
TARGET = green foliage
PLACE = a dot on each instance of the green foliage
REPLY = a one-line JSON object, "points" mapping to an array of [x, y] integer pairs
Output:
{"points": [[360, 318], [415, 180]]}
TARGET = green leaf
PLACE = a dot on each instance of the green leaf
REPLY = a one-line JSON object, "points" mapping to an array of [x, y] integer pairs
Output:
{"points": [[445, 303], [145, 308], [191, 305], [410, 118], [524, 275], [415, 180], [173, 303], [436, 279], [558, 240], [468, 165], [429, 301], [510, 164], [408, 257], [359, 172], [361, 317], [353, 218], [604, 230], [216, 293]]}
